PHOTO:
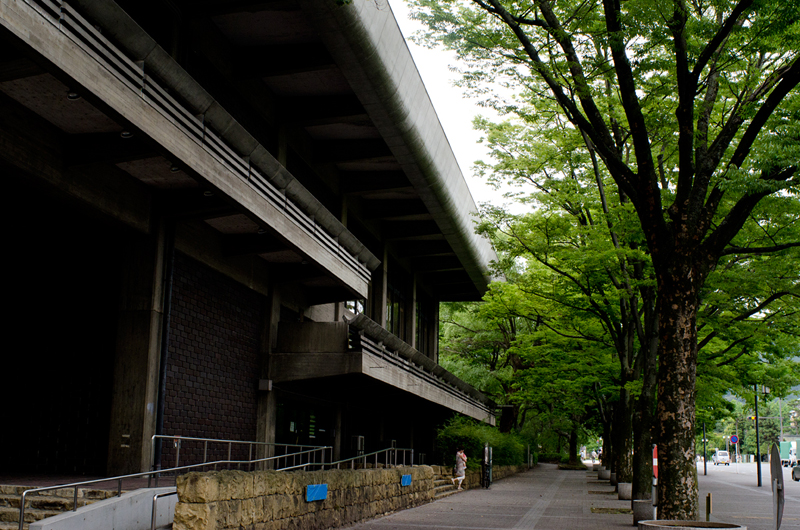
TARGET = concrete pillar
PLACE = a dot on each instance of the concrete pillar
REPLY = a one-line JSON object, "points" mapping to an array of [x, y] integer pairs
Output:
{"points": [[378, 293], [138, 349], [433, 337], [411, 314], [384, 294], [337, 438], [267, 409]]}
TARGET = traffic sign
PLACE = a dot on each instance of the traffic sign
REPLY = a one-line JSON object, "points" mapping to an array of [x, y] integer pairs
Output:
{"points": [[776, 473], [734, 439]]}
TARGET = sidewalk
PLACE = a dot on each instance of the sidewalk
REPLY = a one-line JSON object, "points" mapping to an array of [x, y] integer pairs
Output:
{"points": [[548, 499]]}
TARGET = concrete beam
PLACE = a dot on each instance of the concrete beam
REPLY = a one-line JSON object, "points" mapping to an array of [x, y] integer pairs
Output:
{"points": [[365, 182], [316, 110], [287, 367], [400, 230], [396, 209], [436, 263], [351, 150], [286, 59], [414, 249]]}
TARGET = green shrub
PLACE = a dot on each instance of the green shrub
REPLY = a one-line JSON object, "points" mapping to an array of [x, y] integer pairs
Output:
{"points": [[508, 449]]}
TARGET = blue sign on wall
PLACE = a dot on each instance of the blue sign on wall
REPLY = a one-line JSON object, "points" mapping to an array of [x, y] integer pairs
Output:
{"points": [[405, 480], [316, 492]]}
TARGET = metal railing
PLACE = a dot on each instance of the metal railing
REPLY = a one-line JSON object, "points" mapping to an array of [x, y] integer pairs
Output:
{"points": [[286, 451], [392, 457], [150, 474], [154, 512]]}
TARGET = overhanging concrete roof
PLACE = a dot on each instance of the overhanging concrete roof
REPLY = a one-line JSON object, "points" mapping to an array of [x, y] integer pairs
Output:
{"points": [[369, 48], [324, 102]]}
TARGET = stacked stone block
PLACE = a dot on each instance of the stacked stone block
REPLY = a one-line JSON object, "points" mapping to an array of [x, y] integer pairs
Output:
{"points": [[270, 500]]}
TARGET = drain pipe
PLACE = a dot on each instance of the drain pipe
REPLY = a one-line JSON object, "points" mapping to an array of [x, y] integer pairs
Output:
{"points": [[169, 265]]}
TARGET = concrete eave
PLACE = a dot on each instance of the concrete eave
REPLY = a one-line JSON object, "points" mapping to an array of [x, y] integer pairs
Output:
{"points": [[372, 54], [141, 47]]}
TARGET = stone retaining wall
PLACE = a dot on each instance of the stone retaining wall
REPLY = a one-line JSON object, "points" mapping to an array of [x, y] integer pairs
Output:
{"points": [[271, 500]]}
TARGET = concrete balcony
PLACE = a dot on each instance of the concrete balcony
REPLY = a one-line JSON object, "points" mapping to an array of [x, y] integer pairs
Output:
{"points": [[363, 353]]}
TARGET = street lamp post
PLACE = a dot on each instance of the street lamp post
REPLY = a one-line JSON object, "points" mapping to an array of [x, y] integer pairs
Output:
{"points": [[764, 389], [758, 441], [705, 455]]}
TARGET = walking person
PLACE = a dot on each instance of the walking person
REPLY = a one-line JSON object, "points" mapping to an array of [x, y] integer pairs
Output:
{"points": [[461, 467]]}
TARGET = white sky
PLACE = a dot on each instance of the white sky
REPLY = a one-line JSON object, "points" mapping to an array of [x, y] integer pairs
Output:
{"points": [[455, 110]]}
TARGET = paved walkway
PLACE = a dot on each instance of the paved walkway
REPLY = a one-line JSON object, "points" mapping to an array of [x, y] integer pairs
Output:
{"points": [[548, 499]]}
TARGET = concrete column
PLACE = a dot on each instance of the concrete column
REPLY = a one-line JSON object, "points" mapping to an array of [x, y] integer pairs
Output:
{"points": [[378, 290], [267, 410], [434, 336], [138, 350], [384, 294], [337, 438], [411, 314]]}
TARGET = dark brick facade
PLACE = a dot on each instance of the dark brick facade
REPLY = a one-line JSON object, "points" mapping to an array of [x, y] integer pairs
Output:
{"points": [[212, 376]]}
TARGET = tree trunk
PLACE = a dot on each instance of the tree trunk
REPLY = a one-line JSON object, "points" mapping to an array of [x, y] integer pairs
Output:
{"points": [[643, 430], [509, 417], [573, 445], [607, 451], [622, 436], [677, 351]]}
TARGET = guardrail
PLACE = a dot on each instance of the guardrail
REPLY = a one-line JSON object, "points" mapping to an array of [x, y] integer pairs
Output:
{"points": [[76, 485], [276, 450], [390, 459]]}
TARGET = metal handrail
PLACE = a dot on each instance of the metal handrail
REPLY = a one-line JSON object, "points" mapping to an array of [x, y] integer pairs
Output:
{"points": [[363, 457], [120, 478], [178, 440], [155, 504]]}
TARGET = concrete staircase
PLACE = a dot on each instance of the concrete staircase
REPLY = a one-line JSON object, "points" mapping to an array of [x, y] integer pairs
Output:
{"points": [[38, 507], [442, 484]]}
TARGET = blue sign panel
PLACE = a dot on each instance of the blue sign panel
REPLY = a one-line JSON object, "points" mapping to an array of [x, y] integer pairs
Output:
{"points": [[405, 480], [316, 492]]}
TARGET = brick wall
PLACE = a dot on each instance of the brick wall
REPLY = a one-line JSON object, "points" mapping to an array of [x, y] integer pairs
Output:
{"points": [[212, 374]]}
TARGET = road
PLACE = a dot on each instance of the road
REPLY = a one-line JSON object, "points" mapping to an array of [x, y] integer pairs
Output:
{"points": [[736, 497], [548, 499]]}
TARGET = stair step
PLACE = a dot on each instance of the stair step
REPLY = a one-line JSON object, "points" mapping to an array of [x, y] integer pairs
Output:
{"points": [[12, 526], [442, 494], [10, 515]]}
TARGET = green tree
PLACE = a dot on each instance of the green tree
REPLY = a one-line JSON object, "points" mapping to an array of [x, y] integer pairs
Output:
{"points": [[691, 107], [588, 276]]}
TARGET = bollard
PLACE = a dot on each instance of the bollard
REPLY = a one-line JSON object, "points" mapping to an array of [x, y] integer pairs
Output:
{"points": [[708, 507]]}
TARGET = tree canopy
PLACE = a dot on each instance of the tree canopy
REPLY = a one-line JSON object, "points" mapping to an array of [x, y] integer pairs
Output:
{"points": [[691, 110]]}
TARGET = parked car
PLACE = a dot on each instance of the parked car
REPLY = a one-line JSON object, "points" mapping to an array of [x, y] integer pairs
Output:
{"points": [[721, 457]]}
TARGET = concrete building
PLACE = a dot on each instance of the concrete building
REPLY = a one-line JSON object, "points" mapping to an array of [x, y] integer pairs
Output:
{"points": [[227, 219]]}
